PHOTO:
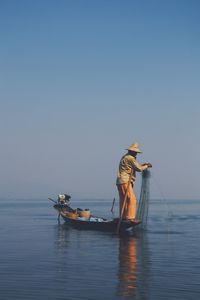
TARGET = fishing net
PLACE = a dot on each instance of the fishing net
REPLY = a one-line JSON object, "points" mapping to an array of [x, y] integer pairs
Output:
{"points": [[143, 204]]}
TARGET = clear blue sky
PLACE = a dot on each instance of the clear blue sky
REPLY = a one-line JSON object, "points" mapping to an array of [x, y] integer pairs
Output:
{"points": [[81, 80]]}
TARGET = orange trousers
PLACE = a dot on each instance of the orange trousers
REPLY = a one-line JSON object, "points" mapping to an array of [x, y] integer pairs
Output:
{"points": [[130, 205]]}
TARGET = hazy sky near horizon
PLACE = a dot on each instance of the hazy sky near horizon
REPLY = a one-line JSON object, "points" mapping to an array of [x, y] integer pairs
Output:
{"points": [[81, 80]]}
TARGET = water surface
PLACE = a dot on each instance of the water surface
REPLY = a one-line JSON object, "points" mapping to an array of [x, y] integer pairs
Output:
{"points": [[40, 259]]}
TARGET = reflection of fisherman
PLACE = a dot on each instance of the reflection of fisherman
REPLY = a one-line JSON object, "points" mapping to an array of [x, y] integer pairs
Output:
{"points": [[127, 267], [128, 167], [134, 267]]}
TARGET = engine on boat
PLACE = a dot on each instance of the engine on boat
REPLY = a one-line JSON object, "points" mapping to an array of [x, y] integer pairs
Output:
{"points": [[63, 199]]}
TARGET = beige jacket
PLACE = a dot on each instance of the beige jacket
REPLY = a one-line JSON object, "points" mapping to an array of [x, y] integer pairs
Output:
{"points": [[126, 165]]}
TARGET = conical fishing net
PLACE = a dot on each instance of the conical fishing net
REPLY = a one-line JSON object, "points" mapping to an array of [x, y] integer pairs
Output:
{"points": [[143, 204]]}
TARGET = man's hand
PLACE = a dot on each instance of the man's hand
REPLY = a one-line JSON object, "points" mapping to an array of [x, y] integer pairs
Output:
{"points": [[149, 165]]}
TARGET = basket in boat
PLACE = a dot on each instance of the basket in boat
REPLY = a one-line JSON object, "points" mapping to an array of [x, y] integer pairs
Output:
{"points": [[84, 213], [71, 215]]}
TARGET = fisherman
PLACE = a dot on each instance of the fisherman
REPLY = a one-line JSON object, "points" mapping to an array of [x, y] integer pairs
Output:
{"points": [[126, 176]]}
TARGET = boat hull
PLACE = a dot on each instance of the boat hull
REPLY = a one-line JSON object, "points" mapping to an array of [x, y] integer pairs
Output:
{"points": [[105, 225]]}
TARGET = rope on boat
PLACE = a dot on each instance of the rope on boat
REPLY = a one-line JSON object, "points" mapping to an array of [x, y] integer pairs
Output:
{"points": [[143, 204]]}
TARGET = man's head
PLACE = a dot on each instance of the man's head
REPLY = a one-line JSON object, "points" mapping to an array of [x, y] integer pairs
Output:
{"points": [[132, 153], [134, 149]]}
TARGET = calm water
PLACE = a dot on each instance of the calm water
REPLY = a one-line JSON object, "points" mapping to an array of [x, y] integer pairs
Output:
{"points": [[40, 259]]}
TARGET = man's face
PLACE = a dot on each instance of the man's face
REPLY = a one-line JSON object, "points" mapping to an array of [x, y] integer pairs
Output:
{"points": [[133, 153]]}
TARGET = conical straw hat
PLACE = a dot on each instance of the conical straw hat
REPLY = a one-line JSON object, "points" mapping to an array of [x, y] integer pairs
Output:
{"points": [[134, 147]]}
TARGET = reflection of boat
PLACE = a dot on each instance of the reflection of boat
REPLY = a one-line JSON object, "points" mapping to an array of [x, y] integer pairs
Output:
{"points": [[72, 217]]}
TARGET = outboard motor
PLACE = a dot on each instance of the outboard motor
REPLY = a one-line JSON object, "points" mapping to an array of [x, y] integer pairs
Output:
{"points": [[63, 199]]}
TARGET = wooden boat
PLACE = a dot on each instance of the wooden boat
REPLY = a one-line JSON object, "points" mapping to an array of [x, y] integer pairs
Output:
{"points": [[72, 218]]}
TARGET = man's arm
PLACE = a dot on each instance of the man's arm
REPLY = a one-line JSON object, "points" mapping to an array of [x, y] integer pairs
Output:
{"points": [[141, 167]]}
